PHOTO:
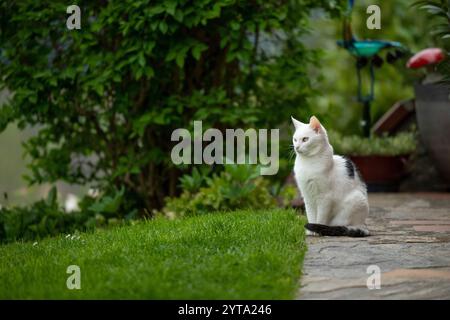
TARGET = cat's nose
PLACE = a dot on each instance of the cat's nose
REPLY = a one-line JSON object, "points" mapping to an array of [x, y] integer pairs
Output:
{"points": [[297, 149]]}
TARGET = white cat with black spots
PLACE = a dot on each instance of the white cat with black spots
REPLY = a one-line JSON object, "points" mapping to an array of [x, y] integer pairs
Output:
{"points": [[335, 196]]}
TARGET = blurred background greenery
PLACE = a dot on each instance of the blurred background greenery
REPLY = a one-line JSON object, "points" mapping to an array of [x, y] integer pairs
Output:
{"points": [[336, 78]]}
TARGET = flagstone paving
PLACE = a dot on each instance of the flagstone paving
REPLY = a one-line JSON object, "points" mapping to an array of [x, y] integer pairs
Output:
{"points": [[410, 243]]}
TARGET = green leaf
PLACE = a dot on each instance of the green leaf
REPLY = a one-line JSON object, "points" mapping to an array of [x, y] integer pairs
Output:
{"points": [[235, 25], [141, 123], [138, 74], [148, 47], [156, 10], [99, 88], [198, 49], [141, 59], [178, 15], [180, 59], [163, 27], [172, 54], [170, 7], [32, 98], [433, 9], [149, 72], [108, 204]]}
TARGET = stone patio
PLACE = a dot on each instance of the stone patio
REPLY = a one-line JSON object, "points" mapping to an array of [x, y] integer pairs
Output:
{"points": [[410, 243]]}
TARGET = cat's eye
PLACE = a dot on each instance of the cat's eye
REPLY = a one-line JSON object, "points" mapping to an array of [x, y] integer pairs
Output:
{"points": [[295, 140], [305, 139]]}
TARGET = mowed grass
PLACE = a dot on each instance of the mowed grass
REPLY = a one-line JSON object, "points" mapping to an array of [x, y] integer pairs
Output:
{"points": [[238, 255]]}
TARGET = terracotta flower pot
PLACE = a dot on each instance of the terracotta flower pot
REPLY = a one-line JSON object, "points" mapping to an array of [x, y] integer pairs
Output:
{"points": [[381, 173]]}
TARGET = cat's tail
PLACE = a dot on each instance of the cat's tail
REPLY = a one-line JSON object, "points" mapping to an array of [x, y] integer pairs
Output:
{"points": [[337, 231]]}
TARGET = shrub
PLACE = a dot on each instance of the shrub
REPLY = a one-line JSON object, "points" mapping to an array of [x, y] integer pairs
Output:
{"points": [[237, 186], [46, 218], [105, 99], [439, 14], [41, 219], [402, 144]]}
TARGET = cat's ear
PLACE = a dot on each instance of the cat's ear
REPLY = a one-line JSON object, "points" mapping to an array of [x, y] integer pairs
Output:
{"points": [[315, 124], [296, 123]]}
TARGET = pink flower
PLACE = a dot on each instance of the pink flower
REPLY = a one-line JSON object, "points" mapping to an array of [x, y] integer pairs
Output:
{"points": [[426, 57]]}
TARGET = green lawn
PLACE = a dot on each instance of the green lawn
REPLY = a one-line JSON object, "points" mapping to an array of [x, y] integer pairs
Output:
{"points": [[239, 255]]}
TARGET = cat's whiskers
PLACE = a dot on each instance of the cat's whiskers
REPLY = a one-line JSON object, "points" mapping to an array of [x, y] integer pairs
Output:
{"points": [[291, 152]]}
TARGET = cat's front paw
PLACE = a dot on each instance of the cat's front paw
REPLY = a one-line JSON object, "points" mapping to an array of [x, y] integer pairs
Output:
{"points": [[311, 233]]}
